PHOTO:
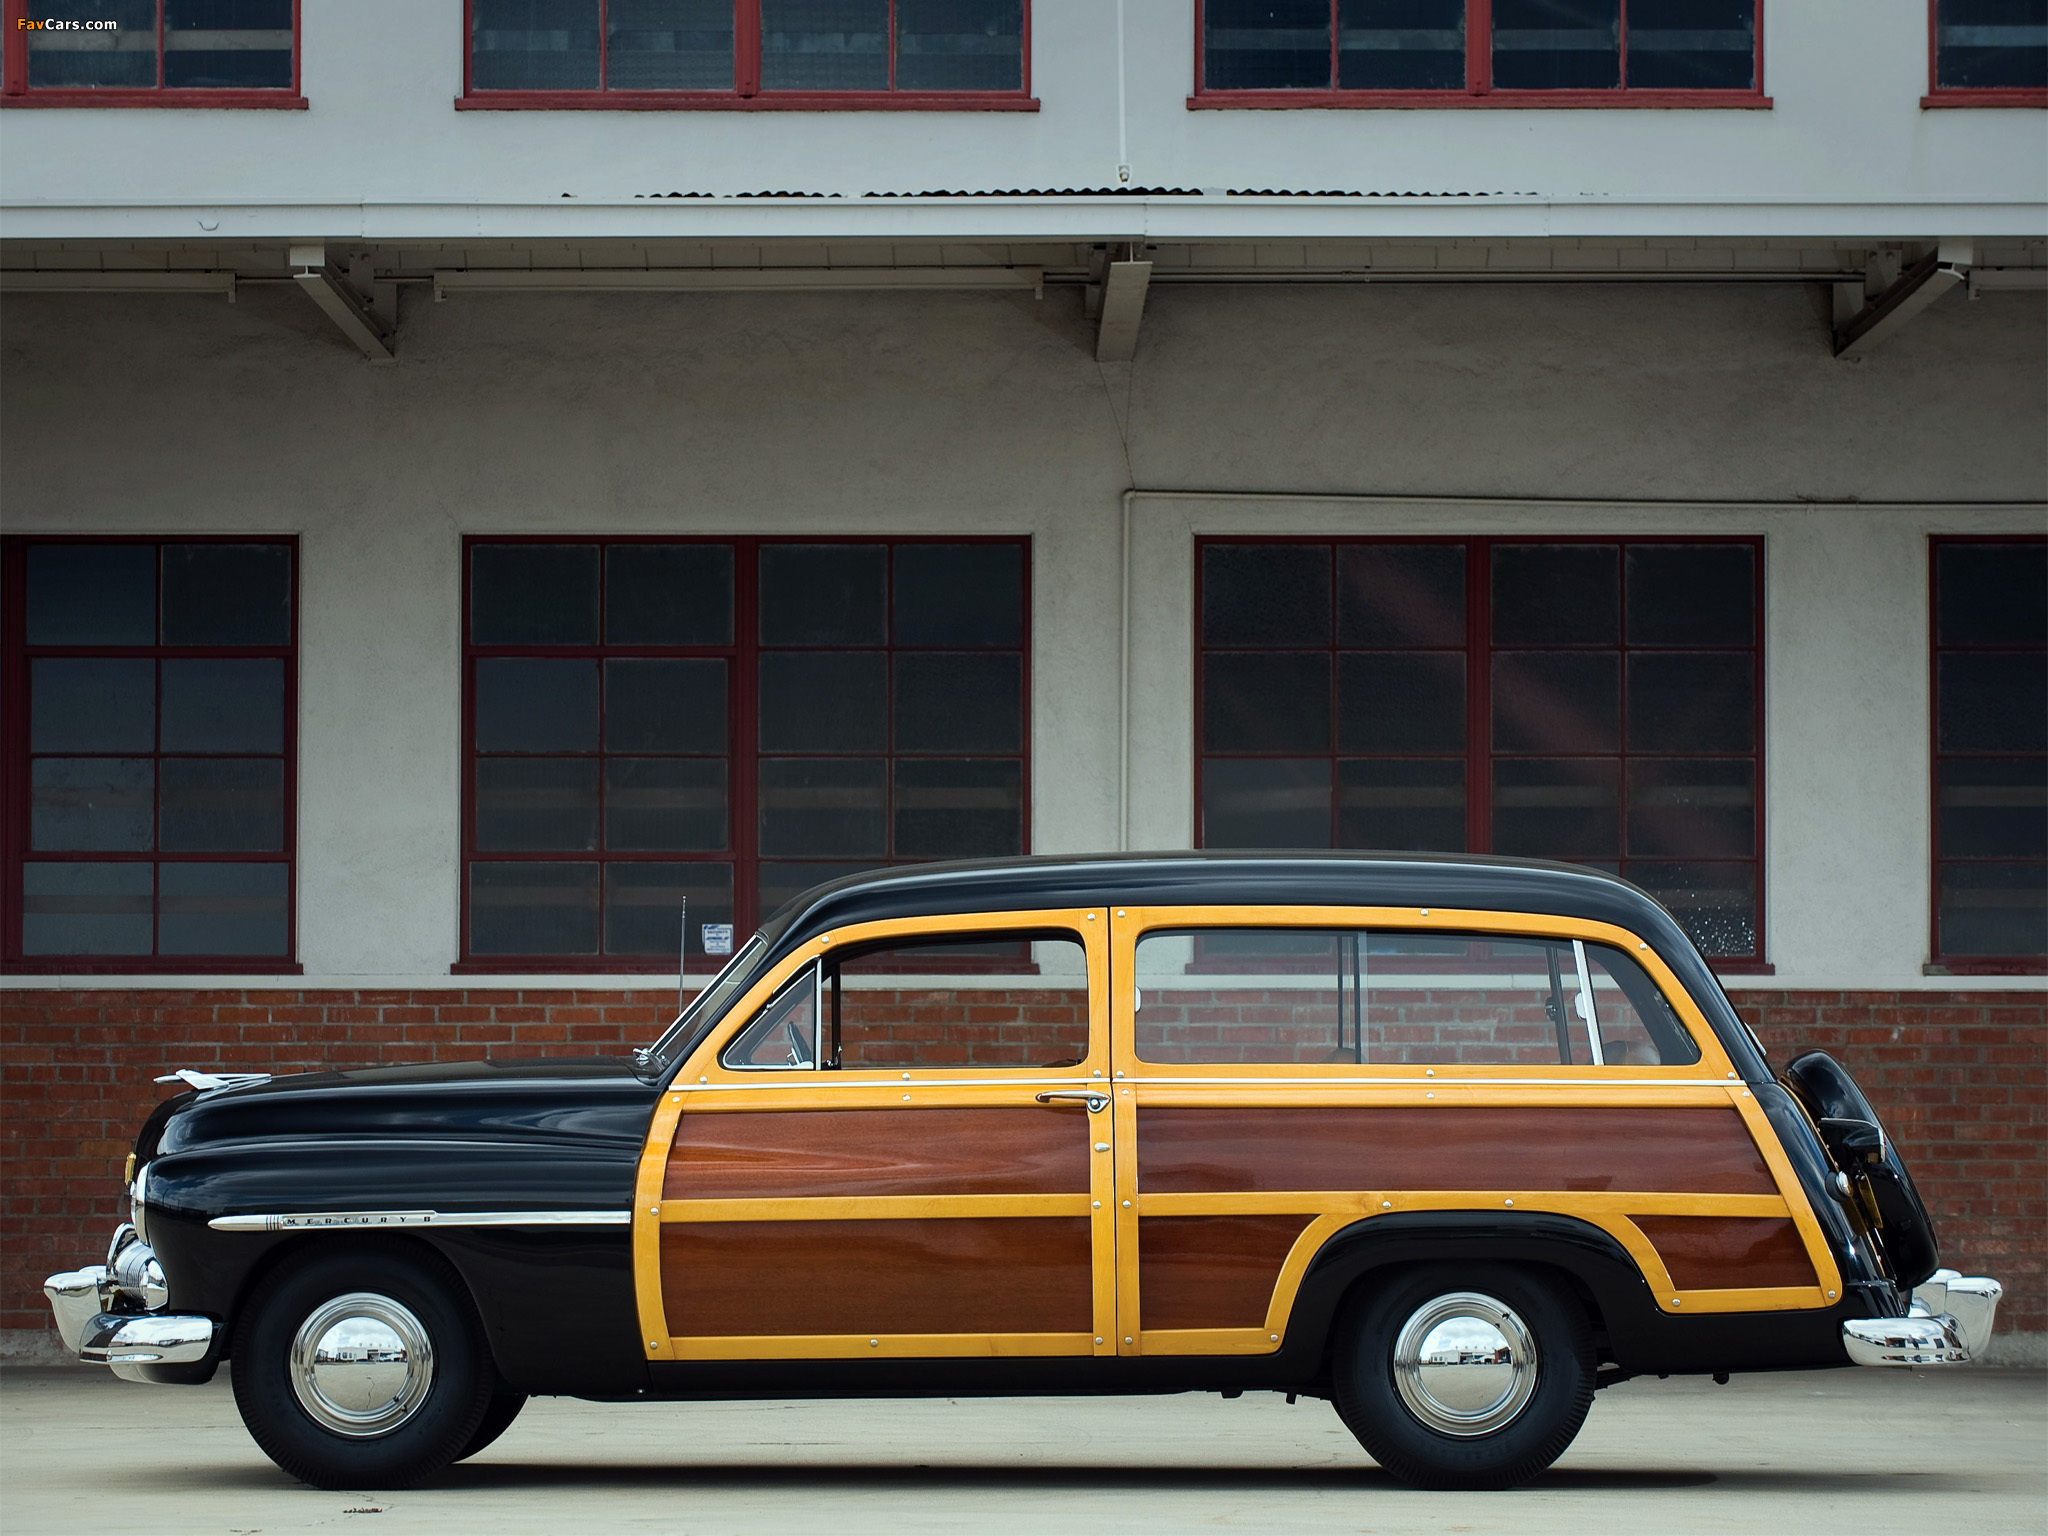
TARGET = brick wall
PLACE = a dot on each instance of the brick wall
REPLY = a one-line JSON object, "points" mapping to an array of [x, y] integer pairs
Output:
{"points": [[1959, 1078]]}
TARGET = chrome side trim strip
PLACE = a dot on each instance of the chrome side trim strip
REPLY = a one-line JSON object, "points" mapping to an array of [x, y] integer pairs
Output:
{"points": [[298, 1221], [805, 1078]]}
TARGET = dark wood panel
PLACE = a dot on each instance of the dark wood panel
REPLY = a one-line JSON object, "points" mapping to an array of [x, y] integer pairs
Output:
{"points": [[1714, 1253], [777, 1154], [966, 1275], [1705, 1151], [1211, 1271]]}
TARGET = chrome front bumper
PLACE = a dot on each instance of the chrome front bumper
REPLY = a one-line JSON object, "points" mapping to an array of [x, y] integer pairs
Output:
{"points": [[112, 1314], [1948, 1323]]}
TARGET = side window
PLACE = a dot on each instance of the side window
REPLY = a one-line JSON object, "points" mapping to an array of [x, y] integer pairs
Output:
{"points": [[1302, 997], [958, 1001]]}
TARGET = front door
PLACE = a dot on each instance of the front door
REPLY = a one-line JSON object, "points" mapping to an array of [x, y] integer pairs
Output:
{"points": [[898, 1145]]}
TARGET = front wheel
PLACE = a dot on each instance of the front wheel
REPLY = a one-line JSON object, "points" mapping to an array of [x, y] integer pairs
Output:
{"points": [[1469, 1377], [362, 1369]]}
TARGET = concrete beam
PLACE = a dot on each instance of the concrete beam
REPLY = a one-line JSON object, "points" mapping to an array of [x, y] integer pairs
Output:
{"points": [[1885, 314], [1123, 308], [340, 304]]}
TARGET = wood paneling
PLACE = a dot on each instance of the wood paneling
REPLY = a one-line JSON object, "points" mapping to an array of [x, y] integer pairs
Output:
{"points": [[1713, 1253], [1211, 1271], [779, 1154], [965, 1275], [1682, 1151]]}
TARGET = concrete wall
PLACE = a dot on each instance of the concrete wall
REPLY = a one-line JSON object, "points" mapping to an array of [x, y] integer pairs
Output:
{"points": [[907, 414]]}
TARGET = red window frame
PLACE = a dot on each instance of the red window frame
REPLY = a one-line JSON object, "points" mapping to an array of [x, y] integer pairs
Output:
{"points": [[743, 755], [1939, 95], [16, 92], [1479, 90], [1479, 755], [1957, 965], [747, 95], [15, 655]]}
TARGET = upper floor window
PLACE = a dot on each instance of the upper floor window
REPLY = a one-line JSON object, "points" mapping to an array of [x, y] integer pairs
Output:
{"points": [[748, 53], [153, 52], [1988, 53], [1478, 52]]}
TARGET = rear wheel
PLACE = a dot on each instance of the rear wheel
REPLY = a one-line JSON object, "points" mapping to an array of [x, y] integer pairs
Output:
{"points": [[362, 1369], [1469, 1377]]}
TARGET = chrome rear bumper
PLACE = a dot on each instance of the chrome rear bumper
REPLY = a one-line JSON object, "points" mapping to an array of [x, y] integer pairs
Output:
{"points": [[111, 1314], [1948, 1323]]}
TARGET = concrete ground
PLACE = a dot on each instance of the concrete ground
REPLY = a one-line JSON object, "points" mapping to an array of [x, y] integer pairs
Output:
{"points": [[1848, 1451]]}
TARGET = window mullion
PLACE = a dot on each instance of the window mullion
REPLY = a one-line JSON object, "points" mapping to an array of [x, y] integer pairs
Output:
{"points": [[746, 47], [1478, 693], [1478, 46]]}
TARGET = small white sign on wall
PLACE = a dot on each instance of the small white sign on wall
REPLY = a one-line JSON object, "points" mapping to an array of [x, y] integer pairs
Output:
{"points": [[717, 938]]}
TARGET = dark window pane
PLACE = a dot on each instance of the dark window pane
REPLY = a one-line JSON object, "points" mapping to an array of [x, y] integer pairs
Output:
{"points": [[223, 909], [227, 594], [1401, 701], [1991, 594], [959, 595], [534, 45], [1273, 701], [1697, 701], [85, 909], [1714, 903], [668, 594], [1414, 805], [824, 701], [91, 594], [1692, 810], [536, 804], [665, 706], [1691, 45], [122, 58], [1992, 807], [1552, 45], [95, 704], [101, 804], [1691, 594], [959, 45], [1265, 594], [228, 44], [822, 807], [646, 906], [1994, 909], [959, 703], [1265, 45], [538, 705], [216, 705], [533, 909], [1557, 701], [1272, 802], [955, 809], [1401, 594], [1992, 44], [664, 804], [1401, 45], [1556, 594], [824, 45], [668, 45], [221, 805], [822, 594], [782, 883], [1557, 808], [533, 594], [1991, 702]]}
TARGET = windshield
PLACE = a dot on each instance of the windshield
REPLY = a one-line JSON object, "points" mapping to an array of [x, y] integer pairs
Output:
{"points": [[683, 1036]]}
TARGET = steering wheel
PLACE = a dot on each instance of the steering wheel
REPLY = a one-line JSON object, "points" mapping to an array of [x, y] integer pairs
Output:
{"points": [[799, 1045]]}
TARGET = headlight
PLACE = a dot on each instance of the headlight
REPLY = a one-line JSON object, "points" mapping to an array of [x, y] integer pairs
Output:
{"points": [[138, 1202]]}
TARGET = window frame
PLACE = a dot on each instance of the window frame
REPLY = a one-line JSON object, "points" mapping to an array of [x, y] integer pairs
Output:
{"points": [[746, 72], [1478, 648], [743, 753], [1939, 95], [14, 751], [16, 91], [1938, 962], [1478, 91]]}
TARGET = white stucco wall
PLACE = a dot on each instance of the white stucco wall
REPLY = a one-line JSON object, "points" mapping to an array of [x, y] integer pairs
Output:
{"points": [[1674, 409]]}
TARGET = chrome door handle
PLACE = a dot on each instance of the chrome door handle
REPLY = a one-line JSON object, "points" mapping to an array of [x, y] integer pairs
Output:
{"points": [[1094, 1098]]}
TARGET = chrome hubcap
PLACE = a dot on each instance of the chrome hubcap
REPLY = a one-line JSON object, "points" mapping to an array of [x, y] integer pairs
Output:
{"points": [[361, 1365], [1465, 1364]]}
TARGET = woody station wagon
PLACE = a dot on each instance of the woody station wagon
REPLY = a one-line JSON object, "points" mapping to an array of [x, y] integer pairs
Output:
{"points": [[1451, 1142]]}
